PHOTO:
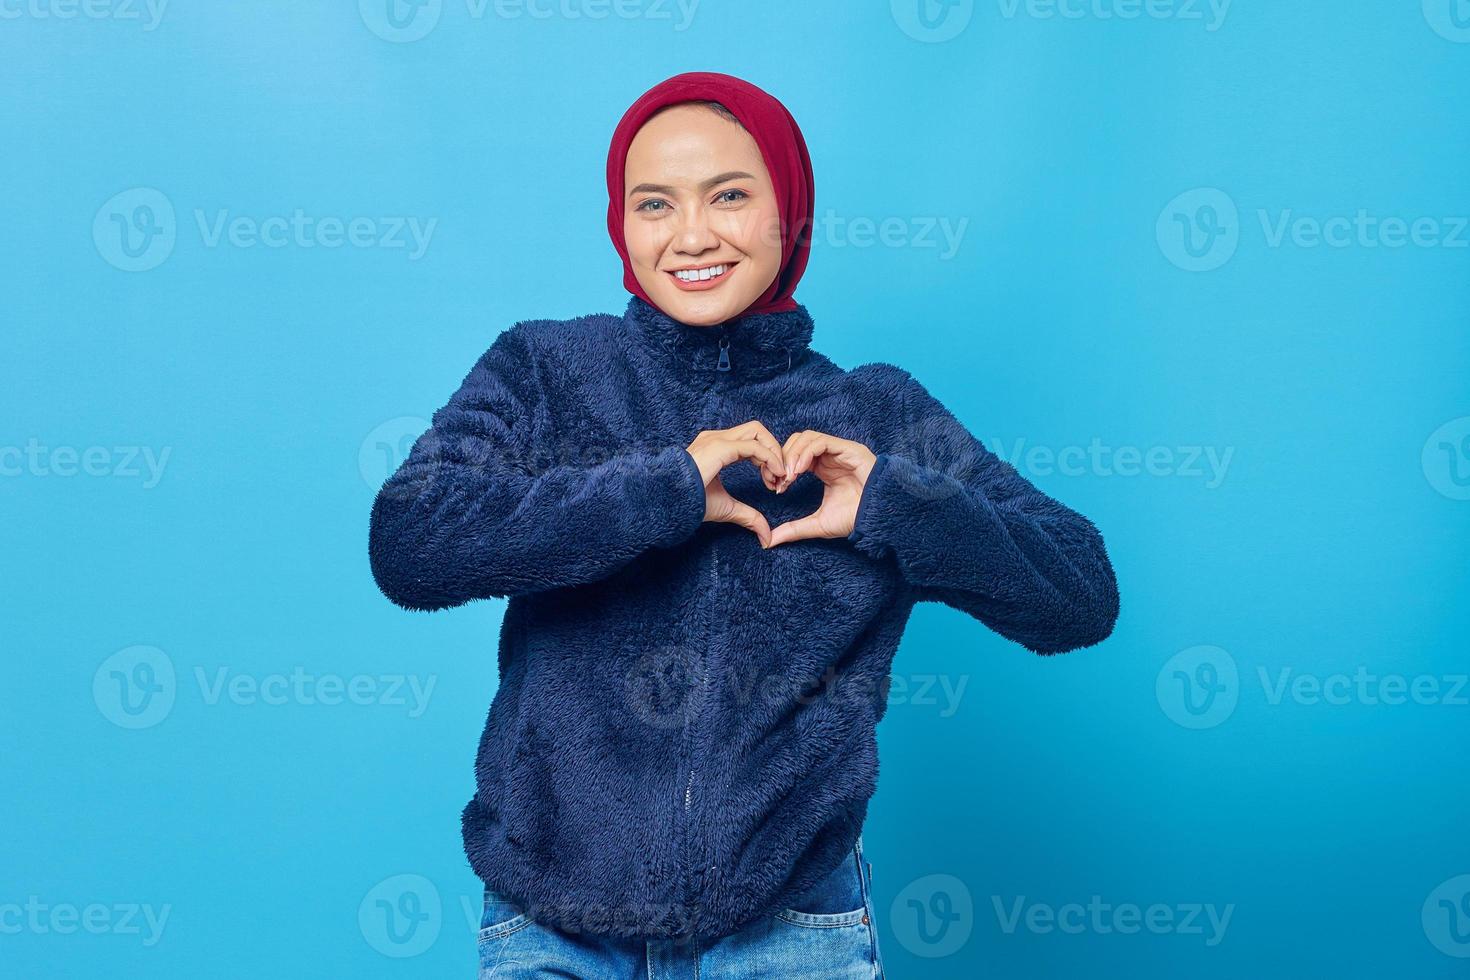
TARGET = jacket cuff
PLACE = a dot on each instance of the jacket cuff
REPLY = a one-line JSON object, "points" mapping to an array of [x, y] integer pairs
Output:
{"points": [[679, 495], [895, 498], [872, 512]]}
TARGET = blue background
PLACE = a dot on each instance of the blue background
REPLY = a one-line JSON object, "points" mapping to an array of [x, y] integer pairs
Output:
{"points": [[1075, 153]]}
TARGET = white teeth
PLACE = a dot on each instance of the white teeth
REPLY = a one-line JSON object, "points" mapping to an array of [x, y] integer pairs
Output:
{"points": [[699, 275]]}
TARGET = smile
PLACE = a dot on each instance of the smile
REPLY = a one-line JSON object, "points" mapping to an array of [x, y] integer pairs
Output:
{"points": [[704, 278]]}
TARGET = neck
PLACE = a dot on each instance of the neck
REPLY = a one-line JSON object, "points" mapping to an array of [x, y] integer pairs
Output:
{"points": [[749, 346]]}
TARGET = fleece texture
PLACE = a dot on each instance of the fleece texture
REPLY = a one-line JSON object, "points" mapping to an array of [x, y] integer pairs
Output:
{"points": [[683, 739]]}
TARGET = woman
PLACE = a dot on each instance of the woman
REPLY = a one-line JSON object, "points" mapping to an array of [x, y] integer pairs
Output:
{"points": [[711, 537]]}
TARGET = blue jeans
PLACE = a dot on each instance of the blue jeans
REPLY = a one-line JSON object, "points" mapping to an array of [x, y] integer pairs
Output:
{"points": [[828, 933]]}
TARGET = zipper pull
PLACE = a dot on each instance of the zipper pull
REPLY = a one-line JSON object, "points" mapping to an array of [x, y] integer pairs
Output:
{"points": [[724, 364]]}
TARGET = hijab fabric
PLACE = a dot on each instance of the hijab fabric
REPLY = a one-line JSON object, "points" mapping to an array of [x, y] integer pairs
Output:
{"points": [[781, 145]]}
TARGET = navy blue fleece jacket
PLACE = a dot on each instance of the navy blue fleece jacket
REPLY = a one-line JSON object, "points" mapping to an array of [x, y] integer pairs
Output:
{"points": [[683, 739]]}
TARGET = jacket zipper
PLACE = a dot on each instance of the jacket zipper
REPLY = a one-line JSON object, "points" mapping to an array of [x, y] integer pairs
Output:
{"points": [[690, 841], [714, 566]]}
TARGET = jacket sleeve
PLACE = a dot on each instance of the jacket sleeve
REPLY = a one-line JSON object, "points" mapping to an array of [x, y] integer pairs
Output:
{"points": [[475, 511], [968, 530]]}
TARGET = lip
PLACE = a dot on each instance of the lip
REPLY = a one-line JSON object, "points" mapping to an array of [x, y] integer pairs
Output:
{"points": [[695, 287]]}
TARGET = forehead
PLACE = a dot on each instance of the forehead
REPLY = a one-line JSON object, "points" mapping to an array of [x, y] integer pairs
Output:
{"points": [[690, 142]]}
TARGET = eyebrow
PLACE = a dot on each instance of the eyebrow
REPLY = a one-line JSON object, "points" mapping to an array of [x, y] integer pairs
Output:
{"points": [[704, 186]]}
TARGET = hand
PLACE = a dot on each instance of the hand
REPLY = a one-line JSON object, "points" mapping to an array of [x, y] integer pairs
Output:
{"points": [[843, 467], [714, 449]]}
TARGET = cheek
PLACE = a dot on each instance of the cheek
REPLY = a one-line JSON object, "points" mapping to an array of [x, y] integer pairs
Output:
{"points": [[758, 235], [643, 241]]}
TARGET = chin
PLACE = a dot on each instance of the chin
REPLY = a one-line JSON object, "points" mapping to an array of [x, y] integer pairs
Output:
{"points": [[699, 314], [695, 310]]}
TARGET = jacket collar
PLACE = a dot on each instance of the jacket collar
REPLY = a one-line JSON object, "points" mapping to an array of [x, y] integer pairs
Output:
{"points": [[756, 345]]}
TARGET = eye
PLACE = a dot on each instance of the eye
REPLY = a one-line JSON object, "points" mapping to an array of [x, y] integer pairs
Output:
{"points": [[720, 197], [652, 200]]}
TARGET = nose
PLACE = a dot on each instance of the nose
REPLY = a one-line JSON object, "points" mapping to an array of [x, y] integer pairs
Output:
{"points": [[694, 234]]}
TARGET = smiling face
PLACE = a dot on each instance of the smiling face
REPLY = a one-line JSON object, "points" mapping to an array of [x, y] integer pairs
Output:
{"points": [[701, 221]]}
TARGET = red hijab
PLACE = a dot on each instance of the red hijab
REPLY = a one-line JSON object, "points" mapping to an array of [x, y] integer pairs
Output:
{"points": [[781, 145]]}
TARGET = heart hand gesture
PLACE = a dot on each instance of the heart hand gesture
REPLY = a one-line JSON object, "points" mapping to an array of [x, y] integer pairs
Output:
{"points": [[714, 449], [843, 467]]}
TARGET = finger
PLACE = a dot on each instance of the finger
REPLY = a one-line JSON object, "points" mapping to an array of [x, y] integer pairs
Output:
{"points": [[789, 452], [751, 519], [770, 479], [799, 454], [810, 449], [797, 530], [758, 453], [762, 435]]}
